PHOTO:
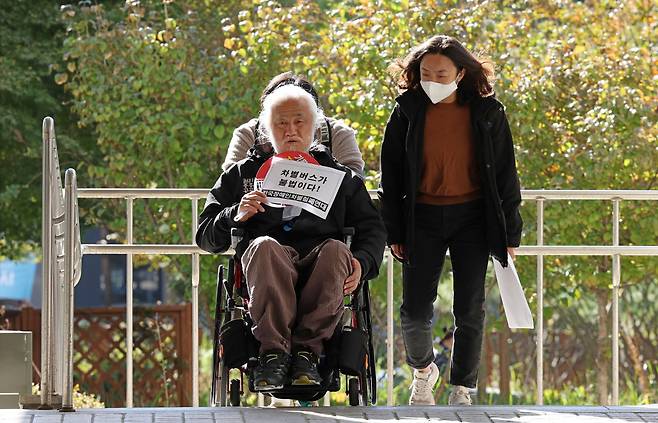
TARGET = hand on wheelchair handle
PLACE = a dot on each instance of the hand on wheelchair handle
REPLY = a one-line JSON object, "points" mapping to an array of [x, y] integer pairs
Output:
{"points": [[250, 204], [353, 280], [398, 251]]}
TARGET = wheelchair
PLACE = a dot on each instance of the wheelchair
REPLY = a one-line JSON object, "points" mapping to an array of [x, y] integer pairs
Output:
{"points": [[349, 352]]}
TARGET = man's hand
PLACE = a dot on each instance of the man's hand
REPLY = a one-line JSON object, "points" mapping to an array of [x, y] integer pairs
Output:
{"points": [[398, 251], [250, 204], [352, 281], [512, 252]]}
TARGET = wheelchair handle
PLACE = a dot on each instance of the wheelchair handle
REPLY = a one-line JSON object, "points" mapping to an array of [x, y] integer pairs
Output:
{"points": [[236, 236], [348, 234]]}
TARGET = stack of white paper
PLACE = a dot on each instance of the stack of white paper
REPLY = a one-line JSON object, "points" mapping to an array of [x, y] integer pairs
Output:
{"points": [[514, 301]]}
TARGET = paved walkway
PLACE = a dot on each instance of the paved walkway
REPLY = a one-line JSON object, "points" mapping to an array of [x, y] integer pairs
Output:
{"points": [[479, 414]]}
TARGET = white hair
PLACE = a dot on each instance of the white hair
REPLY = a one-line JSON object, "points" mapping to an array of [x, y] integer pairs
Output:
{"points": [[281, 94]]}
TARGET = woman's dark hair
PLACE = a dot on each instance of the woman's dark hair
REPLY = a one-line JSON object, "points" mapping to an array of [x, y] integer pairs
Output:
{"points": [[478, 77], [289, 78]]}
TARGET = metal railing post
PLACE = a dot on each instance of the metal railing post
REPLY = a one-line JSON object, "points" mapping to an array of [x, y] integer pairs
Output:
{"points": [[540, 303], [389, 328], [539, 250], [327, 400], [46, 273], [129, 305], [69, 248], [616, 279], [195, 309]]}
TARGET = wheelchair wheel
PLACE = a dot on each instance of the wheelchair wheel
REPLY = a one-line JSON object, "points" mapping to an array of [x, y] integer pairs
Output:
{"points": [[367, 379], [363, 387], [235, 393], [222, 386], [219, 382], [353, 391], [370, 369]]}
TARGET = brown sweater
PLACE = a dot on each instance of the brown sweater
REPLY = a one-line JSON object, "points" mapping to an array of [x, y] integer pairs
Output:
{"points": [[450, 173]]}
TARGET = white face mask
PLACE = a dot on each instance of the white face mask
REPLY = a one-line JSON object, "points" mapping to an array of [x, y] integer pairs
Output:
{"points": [[437, 91]]}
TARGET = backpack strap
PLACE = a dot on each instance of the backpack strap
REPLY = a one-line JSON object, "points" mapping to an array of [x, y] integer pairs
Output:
{"points": [[325, 134], [257, 133]]}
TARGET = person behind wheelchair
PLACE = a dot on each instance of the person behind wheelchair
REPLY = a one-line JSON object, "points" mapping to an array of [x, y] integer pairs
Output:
{"points": [[296, 268]]}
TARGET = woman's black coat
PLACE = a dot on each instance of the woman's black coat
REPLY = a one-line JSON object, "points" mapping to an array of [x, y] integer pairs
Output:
{"points": [[401, 166]]}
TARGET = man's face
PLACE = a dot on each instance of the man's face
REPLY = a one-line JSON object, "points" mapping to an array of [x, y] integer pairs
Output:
{"points": [[292, 125]]}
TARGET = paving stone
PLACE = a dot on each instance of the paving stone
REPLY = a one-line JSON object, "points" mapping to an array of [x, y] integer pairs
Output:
{"points": [[227, 415], [374, 414], [137, 418], [52, 418], [16, 416], [502, 414], [473, 417], [15, 419], [108, 418], [197, 415], [625, 417], [444, 419], [505, 419], [342, 414], [274, 415], [77, 418], [443, 414], [410, 412], [168, 418], [351, 412]]}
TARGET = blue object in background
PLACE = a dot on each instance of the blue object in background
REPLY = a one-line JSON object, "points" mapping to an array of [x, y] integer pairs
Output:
{"points": [[17, 279], [103, 281]]}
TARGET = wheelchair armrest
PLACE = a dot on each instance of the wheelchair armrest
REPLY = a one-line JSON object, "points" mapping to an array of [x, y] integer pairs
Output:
{"points": [[236, 236]]}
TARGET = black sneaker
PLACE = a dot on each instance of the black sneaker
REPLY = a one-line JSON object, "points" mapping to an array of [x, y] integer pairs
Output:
{"points": [[305, 369], [272, 370]]}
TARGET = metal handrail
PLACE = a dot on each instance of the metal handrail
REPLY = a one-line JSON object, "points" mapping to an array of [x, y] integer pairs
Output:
{"points": [[61, 271], [72, 273], [539, 250], [51, 372]]}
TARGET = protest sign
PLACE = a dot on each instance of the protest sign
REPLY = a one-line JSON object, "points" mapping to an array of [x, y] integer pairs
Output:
{"points": [[309, 186]]}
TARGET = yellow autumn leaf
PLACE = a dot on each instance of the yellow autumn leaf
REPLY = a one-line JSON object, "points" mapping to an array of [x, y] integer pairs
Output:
{"points": [[61, 78], [245, 26]]}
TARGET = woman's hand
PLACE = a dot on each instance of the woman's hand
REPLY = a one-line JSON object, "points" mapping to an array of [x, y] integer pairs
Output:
{"points": [[398, 251], [512, 252], [250, 204]]}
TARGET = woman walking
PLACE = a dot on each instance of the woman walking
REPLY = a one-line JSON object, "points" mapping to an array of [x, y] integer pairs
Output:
{"points": [[448, 181]]}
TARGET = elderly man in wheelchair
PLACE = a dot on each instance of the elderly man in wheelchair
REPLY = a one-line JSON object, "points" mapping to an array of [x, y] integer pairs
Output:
{"points": [[296, 267]]}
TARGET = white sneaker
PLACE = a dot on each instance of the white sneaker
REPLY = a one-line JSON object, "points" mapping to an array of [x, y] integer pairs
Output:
{"points": [[422, 387], [460, 395]]}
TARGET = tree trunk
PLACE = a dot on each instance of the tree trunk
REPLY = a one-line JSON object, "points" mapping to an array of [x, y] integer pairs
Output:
{"points": [[603, 357], [503, 363], [483, 372], [634, 355]]}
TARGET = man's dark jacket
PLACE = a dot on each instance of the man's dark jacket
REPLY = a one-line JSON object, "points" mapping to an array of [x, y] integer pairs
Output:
{"points": [[352, 207], [401, 167]]}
